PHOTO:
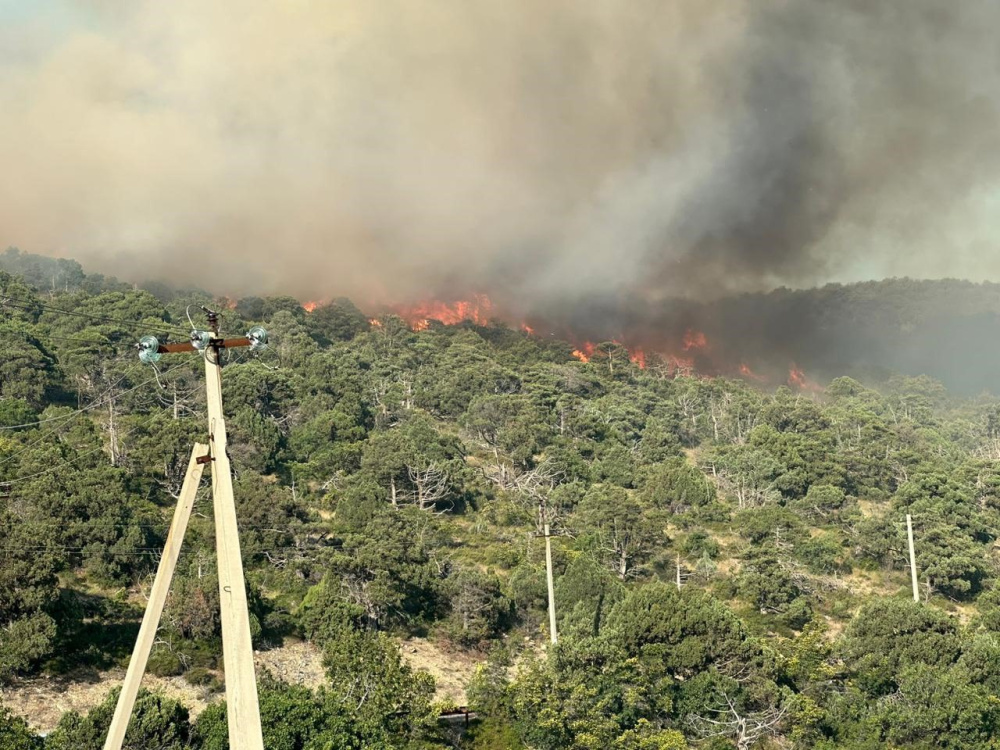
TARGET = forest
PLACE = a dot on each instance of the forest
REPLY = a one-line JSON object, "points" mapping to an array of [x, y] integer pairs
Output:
{"points": [[730, 558]]}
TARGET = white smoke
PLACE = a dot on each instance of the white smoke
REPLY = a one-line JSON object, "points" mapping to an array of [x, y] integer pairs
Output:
{"points": [[539, 150]]}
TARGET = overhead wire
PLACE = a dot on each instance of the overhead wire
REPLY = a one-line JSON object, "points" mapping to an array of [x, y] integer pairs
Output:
{"points": [[93, 405], [100, 402], [159, 325], [61, 417], [6, 483], [44, 337], [157, 551], [108, 395], [31, 306], [165, 527], [7, 301]]}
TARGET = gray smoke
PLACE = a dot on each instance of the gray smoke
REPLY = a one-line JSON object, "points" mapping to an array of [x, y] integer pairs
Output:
{"points": [[544, 151]]}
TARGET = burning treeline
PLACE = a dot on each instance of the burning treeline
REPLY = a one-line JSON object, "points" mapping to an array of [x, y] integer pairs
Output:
{"points": [[690, 354], [796, 337]]}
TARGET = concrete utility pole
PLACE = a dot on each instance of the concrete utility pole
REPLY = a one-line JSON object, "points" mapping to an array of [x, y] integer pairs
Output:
{"points": [[553, 634], [913, 558], [237, 650]]}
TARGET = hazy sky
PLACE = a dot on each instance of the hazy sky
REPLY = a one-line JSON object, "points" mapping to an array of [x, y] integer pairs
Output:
{"points": [[535, 149]]}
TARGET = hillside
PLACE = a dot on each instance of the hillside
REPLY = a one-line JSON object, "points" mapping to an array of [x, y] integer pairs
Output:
{"points": [[389, 484], [867, 330]]}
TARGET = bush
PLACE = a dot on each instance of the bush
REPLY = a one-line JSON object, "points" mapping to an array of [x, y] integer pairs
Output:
{"points": [[201, 677], [700, 544], [164, 662], [479, 609], [822, 555]]}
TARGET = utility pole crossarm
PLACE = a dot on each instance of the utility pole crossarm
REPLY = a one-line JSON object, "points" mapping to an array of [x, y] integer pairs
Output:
{"points": [[188, 346]]}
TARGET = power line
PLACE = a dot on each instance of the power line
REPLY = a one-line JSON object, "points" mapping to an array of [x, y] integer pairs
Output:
{"points": [[93, 405], [61, 417], [161, 527], [46, 337], [16, 480], [156, 551], [159, 325], [77, 413]]}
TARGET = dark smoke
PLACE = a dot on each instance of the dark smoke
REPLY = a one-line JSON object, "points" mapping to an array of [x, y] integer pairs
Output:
{"points": [[569, 152]]}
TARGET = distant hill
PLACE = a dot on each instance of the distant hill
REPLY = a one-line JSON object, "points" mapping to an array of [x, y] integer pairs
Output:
{"points": [[947, 329]]}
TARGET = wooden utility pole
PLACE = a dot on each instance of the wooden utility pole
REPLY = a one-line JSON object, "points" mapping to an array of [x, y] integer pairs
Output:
{"points": [[157, 598], [243, 711], [678, 571], [913, 558]]}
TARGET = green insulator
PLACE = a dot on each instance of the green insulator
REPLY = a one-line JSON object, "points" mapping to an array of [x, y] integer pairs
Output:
{"points": [[200, 340], [149, 350], [258, 338]]}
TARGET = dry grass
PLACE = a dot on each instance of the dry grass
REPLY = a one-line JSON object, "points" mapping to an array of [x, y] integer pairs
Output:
{"points": [[42, 701], [451, 670], [296, 662]]}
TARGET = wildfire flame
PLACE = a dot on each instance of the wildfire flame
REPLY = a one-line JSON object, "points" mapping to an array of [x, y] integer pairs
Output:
{"points": [[585, 351], [695, 341], [797, 379], [680, 365], [746, 372], [690, 356], [419, 315]]}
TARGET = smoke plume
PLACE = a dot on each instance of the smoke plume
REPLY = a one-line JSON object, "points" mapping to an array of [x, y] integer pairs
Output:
{"points": [[544, 151]]}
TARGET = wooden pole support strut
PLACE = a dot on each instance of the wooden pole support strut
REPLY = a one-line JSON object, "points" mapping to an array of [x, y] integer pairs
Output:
{"points": [[157, 598]]}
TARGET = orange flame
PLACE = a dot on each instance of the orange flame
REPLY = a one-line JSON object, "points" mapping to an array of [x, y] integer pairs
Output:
{"points": [[680, 365], [746, 372], [476, 310], [585, 351], [797, 378], [676, 360], [695, 340]]}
